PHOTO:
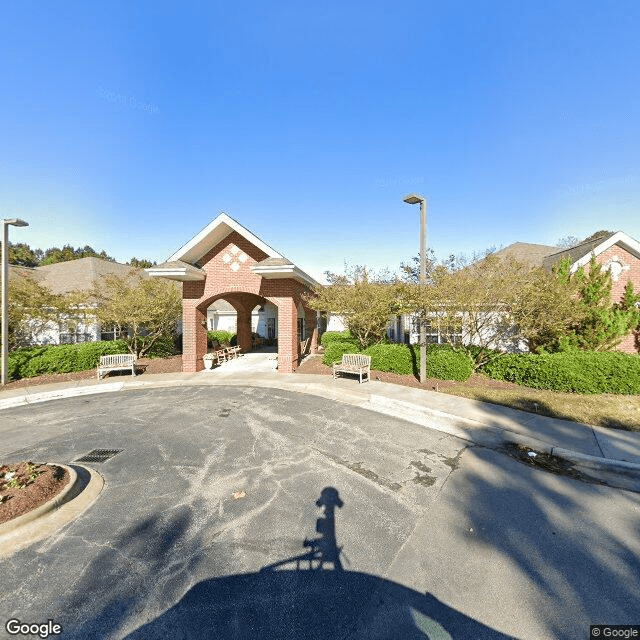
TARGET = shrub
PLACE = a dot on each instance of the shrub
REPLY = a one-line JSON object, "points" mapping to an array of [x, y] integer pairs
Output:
{"points": [[335, 350], [222, 337], [447, 363], [442, 360], [577, 371], [392, 357], [18, 359], [335, 336], [34, 361], [163, 347]]}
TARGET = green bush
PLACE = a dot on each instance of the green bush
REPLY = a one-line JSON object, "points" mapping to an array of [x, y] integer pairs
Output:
{"points": [[577, 371], [447, 363], [18, 359], [34, 361], [335, 336], [221, 337], [164, 347], [442, 361], [391, 357], [335, 350]]}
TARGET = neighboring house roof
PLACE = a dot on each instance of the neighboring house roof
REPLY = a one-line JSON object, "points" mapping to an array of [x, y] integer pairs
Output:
{"points": [[183, 264], [540, 255], [527, 253], [581, 253], [221, 306], [81, 274]]}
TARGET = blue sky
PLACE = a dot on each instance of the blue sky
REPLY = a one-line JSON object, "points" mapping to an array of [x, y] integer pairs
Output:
{"points": [[130, 126]]}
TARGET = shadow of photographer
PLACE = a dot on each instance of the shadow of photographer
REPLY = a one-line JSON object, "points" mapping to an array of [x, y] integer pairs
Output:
{"points": [[323, 601]]}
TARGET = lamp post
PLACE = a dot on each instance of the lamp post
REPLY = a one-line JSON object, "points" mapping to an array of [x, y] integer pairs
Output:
{"points": [[16, 222], [414, 198]]}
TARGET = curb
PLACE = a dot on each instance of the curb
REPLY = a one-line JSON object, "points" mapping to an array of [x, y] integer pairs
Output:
{"points": [[49, 505], [50, 517], [424, 416]]}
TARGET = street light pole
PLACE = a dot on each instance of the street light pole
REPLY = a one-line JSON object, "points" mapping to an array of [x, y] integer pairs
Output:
{"points": [[16, 222], [414, 198]]}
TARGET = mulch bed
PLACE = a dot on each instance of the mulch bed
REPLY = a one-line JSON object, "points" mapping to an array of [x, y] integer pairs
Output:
{"points": [[314, 365], [25, 486], [145, 365]]}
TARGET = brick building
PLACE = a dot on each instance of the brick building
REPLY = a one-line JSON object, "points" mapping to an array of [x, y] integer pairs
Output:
{"points": [[616, 252], [227, 262]]}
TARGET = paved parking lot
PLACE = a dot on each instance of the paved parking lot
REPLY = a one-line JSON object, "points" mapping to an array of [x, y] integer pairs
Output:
{"points": [[438, 538]]}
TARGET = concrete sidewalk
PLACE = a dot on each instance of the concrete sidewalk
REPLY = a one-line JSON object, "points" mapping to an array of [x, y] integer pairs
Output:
{"points": [[606, 450]]}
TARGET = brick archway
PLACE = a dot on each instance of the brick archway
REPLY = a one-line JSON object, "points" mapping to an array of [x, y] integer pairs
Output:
{"points": [[227, 261]]}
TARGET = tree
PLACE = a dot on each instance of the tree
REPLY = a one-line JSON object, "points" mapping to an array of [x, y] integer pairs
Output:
{"points": [[566, 242], [141, 264], [364, 299], [603, 324], [33, 308], [146, 309], [494, 304], [598, 235], [22, 254], [67, 253]]}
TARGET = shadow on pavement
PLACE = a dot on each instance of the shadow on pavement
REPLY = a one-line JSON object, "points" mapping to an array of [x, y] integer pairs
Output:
{"points": [[316, 602]]}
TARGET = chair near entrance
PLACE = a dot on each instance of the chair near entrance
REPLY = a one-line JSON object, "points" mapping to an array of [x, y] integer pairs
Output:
{"points": [[220, 354]]}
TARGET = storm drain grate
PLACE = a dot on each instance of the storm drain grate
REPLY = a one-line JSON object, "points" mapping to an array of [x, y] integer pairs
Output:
{"points": [[99, 455]]}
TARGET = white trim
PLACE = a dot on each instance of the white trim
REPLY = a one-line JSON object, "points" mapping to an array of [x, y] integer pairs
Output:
{"points": [[272, 272], [208, 238], [633, 246], [175, 273]]}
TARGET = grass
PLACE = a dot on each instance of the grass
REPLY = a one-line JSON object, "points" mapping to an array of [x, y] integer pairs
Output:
{"points": [[604, 409], [608, 410]]}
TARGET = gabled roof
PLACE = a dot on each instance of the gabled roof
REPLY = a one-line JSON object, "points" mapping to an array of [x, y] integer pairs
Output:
{"points": [[183, 264], [177, 270], [80, 274], [526, 253], [581, 253], [541, 255], [212, 234]]}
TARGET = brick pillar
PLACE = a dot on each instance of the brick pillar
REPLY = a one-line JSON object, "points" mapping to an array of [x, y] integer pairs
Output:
{"points": [[194, 337], [243, 329], [288, 345], [313, 327]]}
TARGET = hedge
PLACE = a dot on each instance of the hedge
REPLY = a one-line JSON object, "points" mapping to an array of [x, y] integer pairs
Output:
{"points": [[335, 336], [34, 361], [391, 357], [577, 371], [447, 363], [335, 350], [221, 337], [442, 361]]}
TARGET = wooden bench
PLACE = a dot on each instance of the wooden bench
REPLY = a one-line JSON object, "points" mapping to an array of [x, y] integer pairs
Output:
{"points": [[117, 362], [354, 363]]}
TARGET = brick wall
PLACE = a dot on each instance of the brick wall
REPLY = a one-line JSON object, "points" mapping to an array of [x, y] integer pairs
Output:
{"points": [[631, 272], [229, 276]]}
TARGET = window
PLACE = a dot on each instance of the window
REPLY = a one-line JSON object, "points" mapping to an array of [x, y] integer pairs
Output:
{"points": [[74, 336], [111, 333], [436, 331]]}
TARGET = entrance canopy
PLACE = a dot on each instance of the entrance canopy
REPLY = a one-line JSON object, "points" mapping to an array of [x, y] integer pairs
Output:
{"points": [[226, 261]]}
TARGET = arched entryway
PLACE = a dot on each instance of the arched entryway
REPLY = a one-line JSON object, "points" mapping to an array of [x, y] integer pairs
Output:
{"points": [[226, 261]]}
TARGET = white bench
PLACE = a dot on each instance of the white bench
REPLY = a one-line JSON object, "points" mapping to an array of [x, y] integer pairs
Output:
{"points": [[117, 362], [354, 363]]}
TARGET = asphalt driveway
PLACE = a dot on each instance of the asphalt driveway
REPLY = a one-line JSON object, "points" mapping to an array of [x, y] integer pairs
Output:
{"points": [[212, 512]]}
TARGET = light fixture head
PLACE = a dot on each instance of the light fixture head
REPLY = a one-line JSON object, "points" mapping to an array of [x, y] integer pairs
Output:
{"points": [[413, 198], [16, 222]]}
